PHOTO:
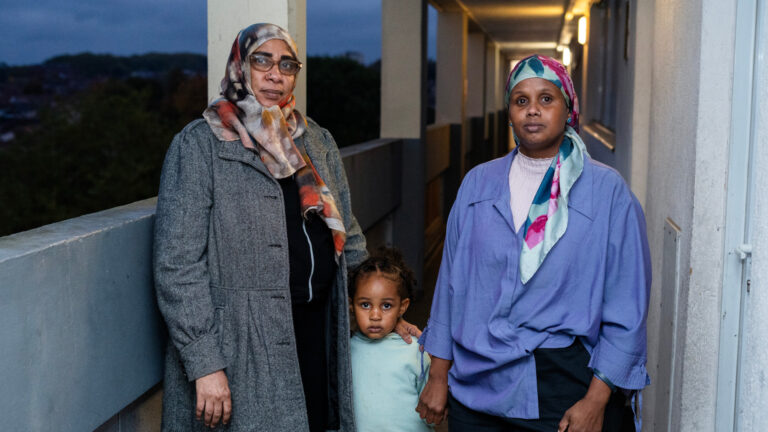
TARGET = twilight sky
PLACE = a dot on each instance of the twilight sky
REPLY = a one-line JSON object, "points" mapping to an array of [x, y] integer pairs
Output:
{"points": [[33, 31]]}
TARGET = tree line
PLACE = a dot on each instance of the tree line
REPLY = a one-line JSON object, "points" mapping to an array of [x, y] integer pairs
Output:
{"points": [[104, 146]]}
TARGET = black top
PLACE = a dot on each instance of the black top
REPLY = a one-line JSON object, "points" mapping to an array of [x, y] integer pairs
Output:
{"points": [[318, 261], [311, 254]]}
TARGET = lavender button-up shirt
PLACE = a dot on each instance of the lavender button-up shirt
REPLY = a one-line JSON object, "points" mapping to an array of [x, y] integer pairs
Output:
{"points": [[594, 285]]}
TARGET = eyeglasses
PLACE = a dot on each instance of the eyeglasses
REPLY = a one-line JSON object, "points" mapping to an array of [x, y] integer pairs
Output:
{"points": [[263, 63]]}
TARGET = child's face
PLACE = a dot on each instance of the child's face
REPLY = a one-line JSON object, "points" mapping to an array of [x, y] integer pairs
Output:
{"points": [[377, 305]]}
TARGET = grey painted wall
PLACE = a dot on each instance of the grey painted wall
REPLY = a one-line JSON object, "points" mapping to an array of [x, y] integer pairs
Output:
{"points": [[690, 110], [713, 116], [670, 173]]}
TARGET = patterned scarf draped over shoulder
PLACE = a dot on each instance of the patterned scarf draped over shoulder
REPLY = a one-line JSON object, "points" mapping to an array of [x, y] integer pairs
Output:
{"points": [[548, 215], [271, 131]]}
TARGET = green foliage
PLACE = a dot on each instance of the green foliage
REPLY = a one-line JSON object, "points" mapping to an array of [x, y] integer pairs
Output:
{"points": [[102, 149], [343, 96]]}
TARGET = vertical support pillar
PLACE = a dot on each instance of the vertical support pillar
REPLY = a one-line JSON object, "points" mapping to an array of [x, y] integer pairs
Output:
{"points": [[451, 85], [490, 108], [506, 135], [404, 115], [451, 93], [475, 74], [403, 54], [475, 121], [227, 17]]}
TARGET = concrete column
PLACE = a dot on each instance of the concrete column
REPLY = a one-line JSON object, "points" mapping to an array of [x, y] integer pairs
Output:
{"points": [[505, 67], [490, 108], [227, 17], [403, 115], [451, 86], [474, 129], [493, 84], [403, 54], [451, 92], [475, 75]]}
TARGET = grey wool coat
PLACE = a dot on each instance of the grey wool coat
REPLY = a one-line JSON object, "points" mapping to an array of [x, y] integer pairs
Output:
{"points": [[221, 275]]}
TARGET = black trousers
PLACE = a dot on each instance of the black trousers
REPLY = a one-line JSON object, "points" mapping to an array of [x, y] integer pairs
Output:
{"points": [[309, 328], [562, 379]]}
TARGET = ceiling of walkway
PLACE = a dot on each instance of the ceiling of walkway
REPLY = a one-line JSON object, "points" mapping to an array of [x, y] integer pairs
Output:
{"points": [[520, 27]]}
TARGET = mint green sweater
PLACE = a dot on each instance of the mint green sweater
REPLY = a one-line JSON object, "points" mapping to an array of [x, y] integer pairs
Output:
{"points": [[387, 378]]}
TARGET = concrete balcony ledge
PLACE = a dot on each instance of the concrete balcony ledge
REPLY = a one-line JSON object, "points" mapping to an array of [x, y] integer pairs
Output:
{"points": [[59, 233], [373, 171], [81, 334]]}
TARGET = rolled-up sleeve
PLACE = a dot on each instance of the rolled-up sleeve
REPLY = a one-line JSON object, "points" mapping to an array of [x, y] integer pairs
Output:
{"points": [[181, 273], [621, 350]]}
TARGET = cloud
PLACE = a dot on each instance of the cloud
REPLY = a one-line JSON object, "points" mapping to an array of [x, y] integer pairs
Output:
{"points": [[337, 26], [33, 31], [46, 28]]}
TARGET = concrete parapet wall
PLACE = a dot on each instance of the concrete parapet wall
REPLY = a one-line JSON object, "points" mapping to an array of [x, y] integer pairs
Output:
{"points": [[80, 331], [81, 334], [373, 171]]}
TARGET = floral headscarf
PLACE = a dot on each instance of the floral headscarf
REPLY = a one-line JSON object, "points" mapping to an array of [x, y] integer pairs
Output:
{"points": [[270, 131], [548, 215]]}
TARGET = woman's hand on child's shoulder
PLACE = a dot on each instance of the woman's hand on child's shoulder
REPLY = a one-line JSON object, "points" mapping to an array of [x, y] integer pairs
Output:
{"points": [[406, 330]]}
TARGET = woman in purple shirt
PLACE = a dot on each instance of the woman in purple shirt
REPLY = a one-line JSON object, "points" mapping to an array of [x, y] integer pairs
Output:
{"points": [[539, 317]]}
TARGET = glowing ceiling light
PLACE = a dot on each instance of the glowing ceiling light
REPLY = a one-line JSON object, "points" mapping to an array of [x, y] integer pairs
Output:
{"points": [[559, 48], [583, 30], [567, 56]]}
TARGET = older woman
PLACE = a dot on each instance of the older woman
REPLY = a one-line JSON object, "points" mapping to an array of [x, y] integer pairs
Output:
{"points": [[253, 236], [538, 319]]}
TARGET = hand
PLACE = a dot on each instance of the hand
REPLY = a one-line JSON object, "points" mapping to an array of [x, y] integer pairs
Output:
{"points": [[214, 401], [434, 397], [406, 330], [587, 414]]}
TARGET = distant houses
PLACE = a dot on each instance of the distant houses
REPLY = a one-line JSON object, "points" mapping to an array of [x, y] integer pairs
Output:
{"points": [[26, 90]]}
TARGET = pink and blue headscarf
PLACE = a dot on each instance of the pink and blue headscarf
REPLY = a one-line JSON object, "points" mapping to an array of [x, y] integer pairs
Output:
{"points": [[548, 214]]}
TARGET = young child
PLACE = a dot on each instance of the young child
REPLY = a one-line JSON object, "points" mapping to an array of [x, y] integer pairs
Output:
{"points": [[387, 373]]}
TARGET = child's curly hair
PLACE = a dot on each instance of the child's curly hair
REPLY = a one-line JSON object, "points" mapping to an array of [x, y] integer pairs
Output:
{"points": [[389, 263]]}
